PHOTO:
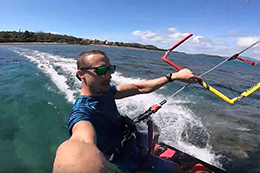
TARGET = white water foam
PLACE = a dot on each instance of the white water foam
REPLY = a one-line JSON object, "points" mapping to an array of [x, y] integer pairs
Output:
{"points": [[172, 119], [58, 68]]}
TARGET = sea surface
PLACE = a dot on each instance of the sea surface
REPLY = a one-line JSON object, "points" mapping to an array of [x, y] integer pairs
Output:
{"points": [[38, 88]]}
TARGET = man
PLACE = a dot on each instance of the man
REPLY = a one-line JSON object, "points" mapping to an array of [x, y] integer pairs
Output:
{"points": [[95, 122]]}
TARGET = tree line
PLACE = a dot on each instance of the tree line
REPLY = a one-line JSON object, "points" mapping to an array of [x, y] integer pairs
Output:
{"points": [[27, 36]]}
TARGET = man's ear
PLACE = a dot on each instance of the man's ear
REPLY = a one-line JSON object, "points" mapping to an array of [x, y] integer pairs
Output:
{"points": [[80, 74]]}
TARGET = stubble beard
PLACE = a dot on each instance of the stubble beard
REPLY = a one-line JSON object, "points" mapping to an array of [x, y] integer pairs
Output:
{"points": [[102, 89]]}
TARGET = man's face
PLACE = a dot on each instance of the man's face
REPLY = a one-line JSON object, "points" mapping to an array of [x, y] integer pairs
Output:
{"points": [[97, 85]]}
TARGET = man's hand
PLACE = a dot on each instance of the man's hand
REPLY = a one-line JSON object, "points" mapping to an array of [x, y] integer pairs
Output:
{"points": [[185, 75], [78, 156]]}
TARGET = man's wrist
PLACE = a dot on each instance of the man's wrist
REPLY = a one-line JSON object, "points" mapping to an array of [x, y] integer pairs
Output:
{"points": [[169, 77]]}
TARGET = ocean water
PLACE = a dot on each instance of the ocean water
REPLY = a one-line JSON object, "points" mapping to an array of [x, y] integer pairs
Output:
{"points": [[38, 88]]}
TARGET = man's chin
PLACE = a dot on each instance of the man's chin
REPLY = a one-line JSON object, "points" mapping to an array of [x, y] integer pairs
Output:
{"points": [[104, 88]]}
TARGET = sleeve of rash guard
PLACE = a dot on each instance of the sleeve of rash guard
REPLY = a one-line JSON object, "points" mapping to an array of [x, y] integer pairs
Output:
{"points": [[75, 117]]}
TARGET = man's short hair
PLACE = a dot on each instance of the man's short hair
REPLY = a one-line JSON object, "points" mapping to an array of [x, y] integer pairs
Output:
{"points": [[80, 61]]}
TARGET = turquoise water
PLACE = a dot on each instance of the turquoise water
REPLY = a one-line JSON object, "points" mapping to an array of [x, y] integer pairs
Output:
{"points": [[38, 87]]}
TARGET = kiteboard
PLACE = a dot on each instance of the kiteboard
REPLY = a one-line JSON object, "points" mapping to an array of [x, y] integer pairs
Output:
{"points": [[188, 163]]}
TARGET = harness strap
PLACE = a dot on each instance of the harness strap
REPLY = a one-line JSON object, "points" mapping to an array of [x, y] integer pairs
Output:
{"points": [[129, 138]]}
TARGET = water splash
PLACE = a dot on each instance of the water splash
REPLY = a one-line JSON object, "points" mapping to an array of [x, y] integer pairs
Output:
{"points": [[173, 120]]}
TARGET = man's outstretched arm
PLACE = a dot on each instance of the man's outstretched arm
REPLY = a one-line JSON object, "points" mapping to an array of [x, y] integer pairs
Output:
{"points": [[149, 86], [79, 153]]}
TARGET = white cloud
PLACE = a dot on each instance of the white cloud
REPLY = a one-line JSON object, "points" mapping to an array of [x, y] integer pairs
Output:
{"points": [[246, 41], [223, 46], [146, 35], [172, 30], [136, 33], [157, 38]]}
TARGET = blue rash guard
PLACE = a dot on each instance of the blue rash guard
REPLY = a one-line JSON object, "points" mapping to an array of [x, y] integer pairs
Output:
{"points": [[109, 126]]}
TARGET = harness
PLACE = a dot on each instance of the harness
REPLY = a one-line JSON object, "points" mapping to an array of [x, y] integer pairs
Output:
{"points": [[126, 144], [130, 130]]}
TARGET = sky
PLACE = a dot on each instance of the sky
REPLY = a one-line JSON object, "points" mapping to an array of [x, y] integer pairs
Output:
{"points": [[219, 27]]}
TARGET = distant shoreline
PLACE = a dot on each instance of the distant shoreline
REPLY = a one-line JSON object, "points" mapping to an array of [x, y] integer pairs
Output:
{"points": [[57, 43], [34, 43]]}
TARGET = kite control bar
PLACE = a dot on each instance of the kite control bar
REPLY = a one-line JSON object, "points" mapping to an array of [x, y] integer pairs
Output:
{"points": [[204, 84], [153, 109]]}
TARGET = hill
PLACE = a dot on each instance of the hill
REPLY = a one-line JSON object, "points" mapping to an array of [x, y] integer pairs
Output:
{"points": [[41, 37]]}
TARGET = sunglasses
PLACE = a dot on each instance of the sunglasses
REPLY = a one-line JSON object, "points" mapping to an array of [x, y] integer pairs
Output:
{"points": [[102, 70]]}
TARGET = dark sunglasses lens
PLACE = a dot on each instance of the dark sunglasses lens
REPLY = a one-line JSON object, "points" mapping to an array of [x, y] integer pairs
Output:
{"points": [[101, 71], [112, 69]]}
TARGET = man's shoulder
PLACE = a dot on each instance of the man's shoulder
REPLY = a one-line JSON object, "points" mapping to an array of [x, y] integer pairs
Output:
{"points": [[84, 102], [80, 100]]}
